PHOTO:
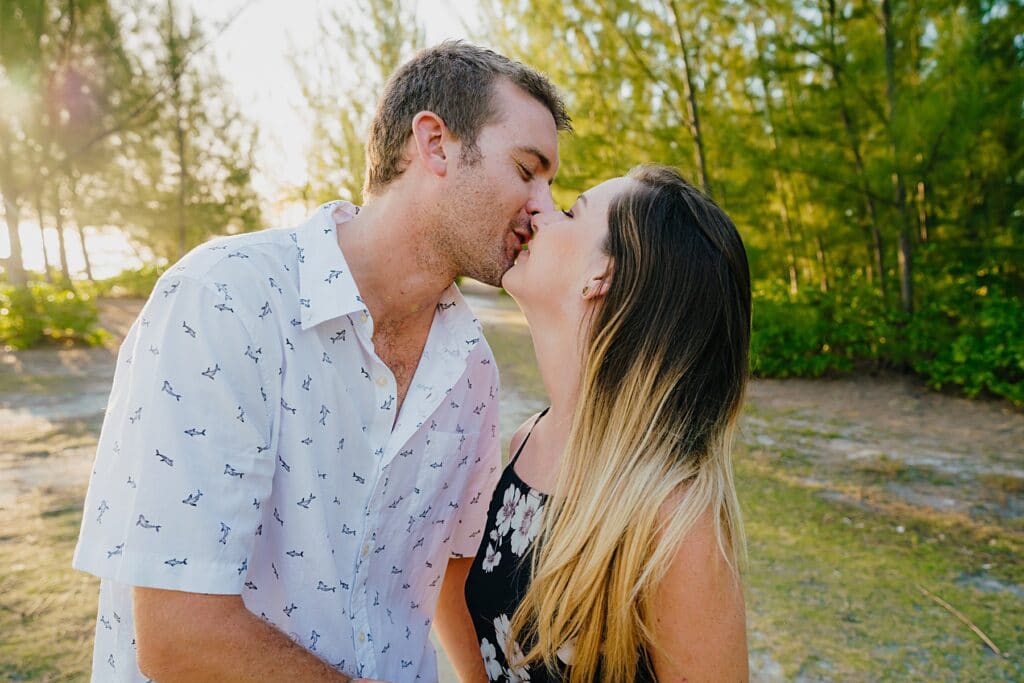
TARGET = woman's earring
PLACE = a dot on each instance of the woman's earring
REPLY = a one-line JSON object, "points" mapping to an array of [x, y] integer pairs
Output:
{"points": [[586, 289]]}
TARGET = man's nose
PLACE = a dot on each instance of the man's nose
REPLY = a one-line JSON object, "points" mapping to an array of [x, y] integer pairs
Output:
{"points": [[541, 200]]}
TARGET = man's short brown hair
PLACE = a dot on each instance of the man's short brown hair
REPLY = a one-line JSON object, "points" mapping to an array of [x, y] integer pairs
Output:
{"points": [[456, 81]]}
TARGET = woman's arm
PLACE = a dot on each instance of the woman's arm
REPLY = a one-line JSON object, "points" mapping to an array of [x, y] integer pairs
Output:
{"points": [[699, 614], [454, 625]]}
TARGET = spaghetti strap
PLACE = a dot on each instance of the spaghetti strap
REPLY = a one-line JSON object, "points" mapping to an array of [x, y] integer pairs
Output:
{"points": [[527, 438]]}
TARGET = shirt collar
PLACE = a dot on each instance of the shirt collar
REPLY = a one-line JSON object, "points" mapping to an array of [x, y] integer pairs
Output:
{"points": [[326, 287]]}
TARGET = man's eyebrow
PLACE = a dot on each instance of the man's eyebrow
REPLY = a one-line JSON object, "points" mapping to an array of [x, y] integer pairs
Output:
{"points": [[529, 149]]}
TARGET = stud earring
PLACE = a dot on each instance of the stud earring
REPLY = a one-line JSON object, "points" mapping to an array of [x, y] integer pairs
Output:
{"points": [[586, 289]]}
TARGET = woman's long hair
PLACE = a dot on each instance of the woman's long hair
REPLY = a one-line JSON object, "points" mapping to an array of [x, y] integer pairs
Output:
{"points": [[649, 448]]}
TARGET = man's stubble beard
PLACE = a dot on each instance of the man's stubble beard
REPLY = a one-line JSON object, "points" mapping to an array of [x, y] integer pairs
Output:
{"points": [[475, 254]]}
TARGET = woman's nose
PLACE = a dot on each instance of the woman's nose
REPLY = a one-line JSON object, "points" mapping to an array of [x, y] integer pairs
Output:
{"points": [[541, 200], [535, 222]]}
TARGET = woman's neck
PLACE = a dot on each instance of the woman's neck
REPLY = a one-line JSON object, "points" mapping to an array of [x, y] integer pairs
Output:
{"points": [[559, 352]]}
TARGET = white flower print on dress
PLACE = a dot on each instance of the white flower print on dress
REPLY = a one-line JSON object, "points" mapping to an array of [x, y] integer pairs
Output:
{"points": [[515, 675], [501, 628], [491, 559], [493, 666], [507, 511], [501, 632], [525, 522]]}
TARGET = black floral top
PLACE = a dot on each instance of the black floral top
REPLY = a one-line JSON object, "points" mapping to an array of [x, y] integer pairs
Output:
{"points": [[500, 575]]}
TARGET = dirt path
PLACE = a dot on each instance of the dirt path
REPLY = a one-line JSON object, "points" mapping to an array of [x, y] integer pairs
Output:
{"points": [[897, 438], [882, 444], [887, 436]]}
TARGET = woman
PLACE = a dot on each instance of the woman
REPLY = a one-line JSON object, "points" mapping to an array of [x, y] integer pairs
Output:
{"points": [[614, 536]]}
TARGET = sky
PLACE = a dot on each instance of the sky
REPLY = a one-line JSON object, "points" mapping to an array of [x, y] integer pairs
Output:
{"points": [[252, 54]]}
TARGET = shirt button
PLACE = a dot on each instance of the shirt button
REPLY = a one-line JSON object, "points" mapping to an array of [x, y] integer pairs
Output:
{"points": [[364, 317], [366, 549], [362, 637], [382, 380]]}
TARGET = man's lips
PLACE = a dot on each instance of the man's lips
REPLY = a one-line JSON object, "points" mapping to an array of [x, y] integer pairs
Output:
{"points": [[524, 235]]}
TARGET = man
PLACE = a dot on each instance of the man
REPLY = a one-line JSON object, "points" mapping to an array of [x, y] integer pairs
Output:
{"points": [[302, 435]]}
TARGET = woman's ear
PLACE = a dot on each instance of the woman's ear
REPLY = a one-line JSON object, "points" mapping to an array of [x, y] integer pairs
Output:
{"points": [[598, 285], [429, 133]]}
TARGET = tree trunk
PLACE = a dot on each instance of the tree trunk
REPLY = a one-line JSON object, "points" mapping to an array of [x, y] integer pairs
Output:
{"points": [[73, 201], [922, 214], [12, 212], [780, 183], [899, 192], [700, 154], [40, 214], [15, 264], [85, 252], [176, 65], [906, 271], [58, 214], [853, 137], [822, 264], [180, 204]]}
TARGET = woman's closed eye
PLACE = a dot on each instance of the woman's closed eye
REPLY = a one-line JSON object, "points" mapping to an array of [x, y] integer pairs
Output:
{"points": [[567, 212]]}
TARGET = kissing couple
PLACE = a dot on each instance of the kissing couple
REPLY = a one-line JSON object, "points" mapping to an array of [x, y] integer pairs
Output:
{"points": [[300, 470]]}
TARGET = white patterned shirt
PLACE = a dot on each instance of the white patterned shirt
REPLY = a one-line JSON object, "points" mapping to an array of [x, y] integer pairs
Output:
{"points": [[250, 447]]}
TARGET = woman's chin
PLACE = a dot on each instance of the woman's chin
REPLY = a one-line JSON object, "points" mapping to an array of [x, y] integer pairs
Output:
{"points": [[512, 279]]}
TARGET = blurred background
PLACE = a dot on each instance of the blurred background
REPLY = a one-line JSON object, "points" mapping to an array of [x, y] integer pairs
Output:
{"points": [[870, 153]]}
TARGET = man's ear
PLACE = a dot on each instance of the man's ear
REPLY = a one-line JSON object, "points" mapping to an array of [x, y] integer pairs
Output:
{"points": [[429, 134]]}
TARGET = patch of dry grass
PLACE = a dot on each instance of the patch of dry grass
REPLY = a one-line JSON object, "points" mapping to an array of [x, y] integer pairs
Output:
{"points": [[47, 609]]}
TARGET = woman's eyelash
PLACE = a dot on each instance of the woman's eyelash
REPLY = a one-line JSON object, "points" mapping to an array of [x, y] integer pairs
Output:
{"points": [[525, 172], [567, 212]]}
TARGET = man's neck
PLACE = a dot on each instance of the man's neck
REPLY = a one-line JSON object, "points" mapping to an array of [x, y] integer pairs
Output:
{"points": [[388, 250]]}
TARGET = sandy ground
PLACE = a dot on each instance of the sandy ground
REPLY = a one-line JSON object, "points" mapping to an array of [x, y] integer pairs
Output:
{"points": [[913, 446]]}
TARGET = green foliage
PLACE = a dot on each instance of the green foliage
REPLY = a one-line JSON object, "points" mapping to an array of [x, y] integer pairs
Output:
{"points": [[814, 334], [134, 284], [969, 336], [378, 35], [831, 133], [43, 313]]}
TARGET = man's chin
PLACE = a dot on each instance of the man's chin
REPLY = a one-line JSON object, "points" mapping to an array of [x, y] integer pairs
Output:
{"points": [[492, 278], [491, 273]]}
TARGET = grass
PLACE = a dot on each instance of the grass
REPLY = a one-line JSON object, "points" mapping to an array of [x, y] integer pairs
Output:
{"points": [[47, 610], [1007, 484], [833, 588], [885, 468]]}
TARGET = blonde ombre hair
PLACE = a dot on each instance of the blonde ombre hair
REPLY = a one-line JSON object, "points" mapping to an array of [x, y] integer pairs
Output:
{"points": [[649, 448]]}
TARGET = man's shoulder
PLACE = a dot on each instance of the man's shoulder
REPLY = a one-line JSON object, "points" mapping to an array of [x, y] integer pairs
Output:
{"points": [[238, 257], [247, 269]]}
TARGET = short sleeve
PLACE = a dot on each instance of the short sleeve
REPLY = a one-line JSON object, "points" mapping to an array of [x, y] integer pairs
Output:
{"points": [[476, 497], [185, 458]]}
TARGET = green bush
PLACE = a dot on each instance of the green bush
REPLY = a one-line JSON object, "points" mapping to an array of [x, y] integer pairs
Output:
{"points": [[43, 313], [969, 334], [972, 339], [815, 334], [136, 283]]}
